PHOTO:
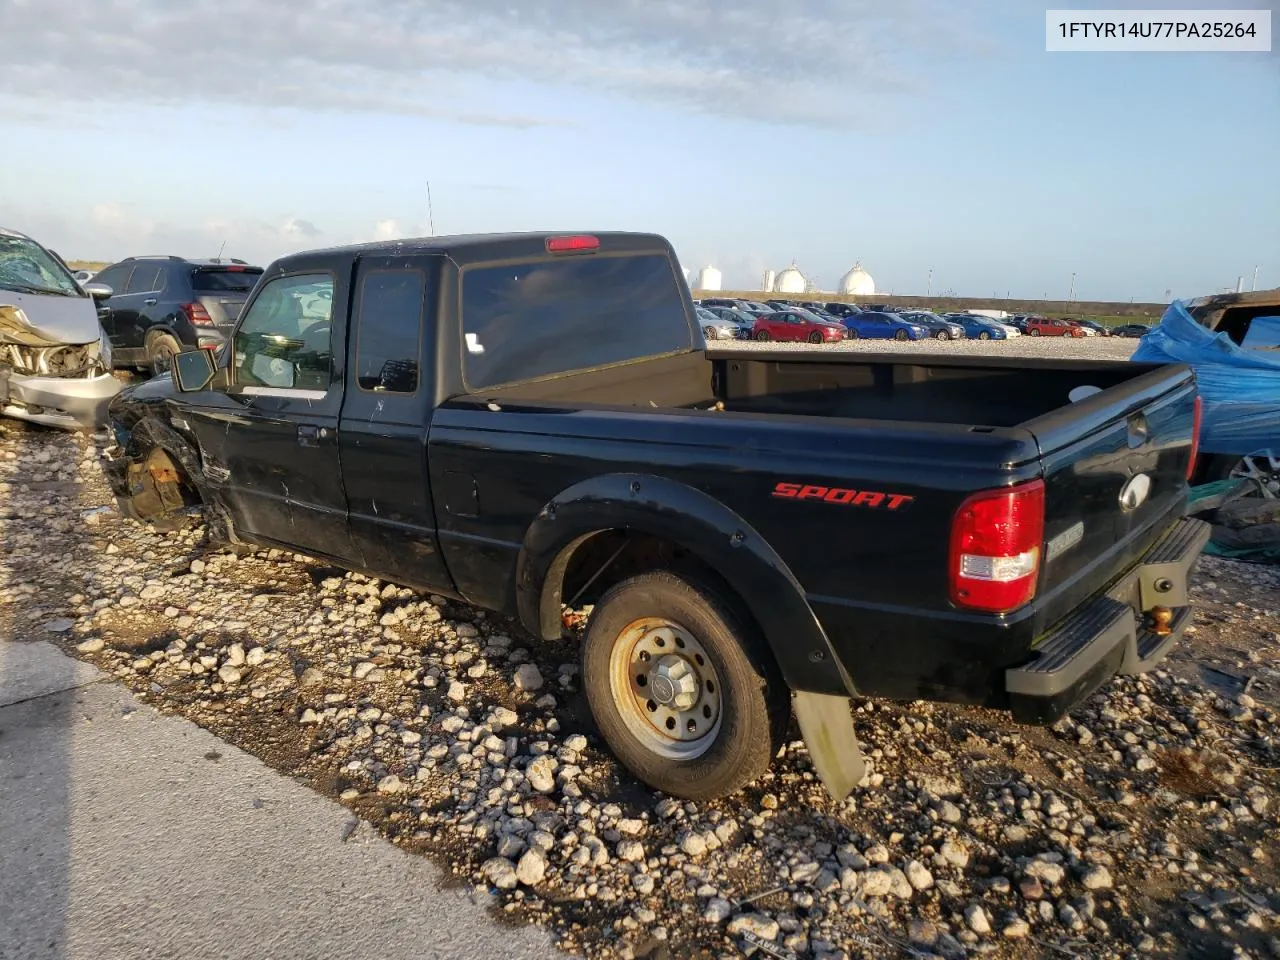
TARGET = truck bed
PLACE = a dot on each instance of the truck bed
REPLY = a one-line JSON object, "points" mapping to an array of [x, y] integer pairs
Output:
{"points": [[974, 392], [977, 393]]}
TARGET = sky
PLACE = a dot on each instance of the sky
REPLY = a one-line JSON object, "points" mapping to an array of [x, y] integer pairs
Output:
{"points": [[934, 141]]}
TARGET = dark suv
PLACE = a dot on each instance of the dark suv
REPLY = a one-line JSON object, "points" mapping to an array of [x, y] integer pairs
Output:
{"points": [[160, 306]]}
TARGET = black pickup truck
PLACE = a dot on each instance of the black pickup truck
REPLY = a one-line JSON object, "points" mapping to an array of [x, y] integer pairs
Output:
{"points": [[531, 424]]}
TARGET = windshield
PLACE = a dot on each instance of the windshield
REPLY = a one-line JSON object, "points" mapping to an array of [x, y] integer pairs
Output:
{"points": [[27, 267]]}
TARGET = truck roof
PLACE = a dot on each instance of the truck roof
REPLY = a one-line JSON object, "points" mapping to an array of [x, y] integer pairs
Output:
{"points": [[473, 247]]}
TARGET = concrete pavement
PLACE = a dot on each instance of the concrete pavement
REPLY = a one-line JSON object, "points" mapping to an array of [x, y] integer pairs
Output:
{"points": [[120, 840]]}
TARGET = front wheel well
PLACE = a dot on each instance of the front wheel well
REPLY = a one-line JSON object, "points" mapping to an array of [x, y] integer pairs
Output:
{"points": [[160, 489]]}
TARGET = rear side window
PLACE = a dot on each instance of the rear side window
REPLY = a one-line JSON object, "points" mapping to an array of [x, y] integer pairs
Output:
{"points": [[530, 320], [390, 330], [145, 278], [225, 280]]}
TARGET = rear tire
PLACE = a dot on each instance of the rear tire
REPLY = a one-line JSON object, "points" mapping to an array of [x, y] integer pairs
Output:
{"points": [[1033, 333], [853, 334], [762, 335], [709, 731], [161, 349]]}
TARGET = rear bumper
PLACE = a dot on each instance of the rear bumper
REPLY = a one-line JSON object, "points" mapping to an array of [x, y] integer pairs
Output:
{"points": [[65, 402], [1112, 633]]}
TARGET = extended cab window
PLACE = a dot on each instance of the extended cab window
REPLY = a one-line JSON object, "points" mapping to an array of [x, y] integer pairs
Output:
{"points": [[390, 330], [523, 321], [283, 340]]}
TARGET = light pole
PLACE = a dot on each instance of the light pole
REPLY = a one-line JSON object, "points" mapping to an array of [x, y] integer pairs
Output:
{"points": [[1071, 297]]}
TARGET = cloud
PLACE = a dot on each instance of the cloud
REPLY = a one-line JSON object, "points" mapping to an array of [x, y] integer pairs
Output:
{"points": [[293, 227], [813, 61], [112, 231], [386, 230]]}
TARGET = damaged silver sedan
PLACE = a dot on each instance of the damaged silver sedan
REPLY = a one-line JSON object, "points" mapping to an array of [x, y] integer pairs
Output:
{"points": [[55, 362]]}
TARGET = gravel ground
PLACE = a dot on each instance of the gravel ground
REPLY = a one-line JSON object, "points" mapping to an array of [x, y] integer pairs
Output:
{"points": [[1144, 825], [1084, 348]]}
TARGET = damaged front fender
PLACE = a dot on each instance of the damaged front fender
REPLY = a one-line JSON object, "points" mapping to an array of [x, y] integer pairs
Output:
{"points": [[155, 475]]}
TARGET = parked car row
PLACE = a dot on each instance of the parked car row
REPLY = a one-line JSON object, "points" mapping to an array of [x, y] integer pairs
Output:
{"points": [[779, 319], [814, 322]]}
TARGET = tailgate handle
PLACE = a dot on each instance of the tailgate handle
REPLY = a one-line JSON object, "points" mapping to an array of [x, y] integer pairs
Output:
{"points": [[1139, 432], [151, 302]]}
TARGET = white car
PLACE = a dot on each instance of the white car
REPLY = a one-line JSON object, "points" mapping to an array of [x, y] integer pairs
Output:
{"points": [[55, 360]]}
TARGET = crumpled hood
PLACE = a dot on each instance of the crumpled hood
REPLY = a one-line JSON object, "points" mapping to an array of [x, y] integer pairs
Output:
{"points": [[45, 320]]}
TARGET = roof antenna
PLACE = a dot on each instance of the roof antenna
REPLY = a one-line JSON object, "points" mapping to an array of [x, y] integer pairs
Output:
{"points": [[431, 219], [220, 249]]}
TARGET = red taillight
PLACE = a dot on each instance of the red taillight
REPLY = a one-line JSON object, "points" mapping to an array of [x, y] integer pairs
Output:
{"points": [[1195, 436], [197, 314], [995, 548], [572, 244]]}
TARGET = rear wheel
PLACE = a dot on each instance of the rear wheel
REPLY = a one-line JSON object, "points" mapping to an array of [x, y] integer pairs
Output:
{"points": [[815, 337], [1033, 332], [853, 334], [762, 334], [681, 688], [984, 335], [901, 335], [161, 349]]}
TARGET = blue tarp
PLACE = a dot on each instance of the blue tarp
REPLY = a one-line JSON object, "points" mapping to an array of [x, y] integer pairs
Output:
{"points": [[1240, 387]]}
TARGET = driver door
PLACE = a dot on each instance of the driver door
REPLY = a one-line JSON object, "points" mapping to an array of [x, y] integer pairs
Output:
{"points": [[272, 441]]}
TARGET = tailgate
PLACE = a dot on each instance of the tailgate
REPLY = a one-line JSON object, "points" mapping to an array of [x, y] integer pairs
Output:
{"points": [[1115, 469], [223, 308]]}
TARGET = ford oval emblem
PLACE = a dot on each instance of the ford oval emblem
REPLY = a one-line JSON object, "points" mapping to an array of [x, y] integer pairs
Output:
{"points": [[1134, 493]]}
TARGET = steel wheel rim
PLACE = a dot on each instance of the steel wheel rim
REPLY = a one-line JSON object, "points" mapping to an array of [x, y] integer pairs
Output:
{"points": [[1264, 470], [665, 688]]}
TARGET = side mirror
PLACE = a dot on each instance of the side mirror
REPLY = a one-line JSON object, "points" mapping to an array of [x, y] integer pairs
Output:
{"points": [[193, 370], [99, 291]]}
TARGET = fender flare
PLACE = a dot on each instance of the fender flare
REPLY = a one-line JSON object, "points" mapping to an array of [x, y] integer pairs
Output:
{"points": [[705, 527]]}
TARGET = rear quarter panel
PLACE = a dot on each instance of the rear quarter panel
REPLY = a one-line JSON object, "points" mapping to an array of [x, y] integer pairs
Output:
{"points": [[874, 575]]}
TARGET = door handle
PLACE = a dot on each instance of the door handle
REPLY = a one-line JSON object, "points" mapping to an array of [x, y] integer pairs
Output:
{"points": [[310, 435], [150, 302]]}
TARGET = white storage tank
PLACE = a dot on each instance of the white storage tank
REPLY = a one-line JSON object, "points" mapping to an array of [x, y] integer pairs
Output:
{"points": [[769, 280], [790, 280], [709, 278], [857, 283]]}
